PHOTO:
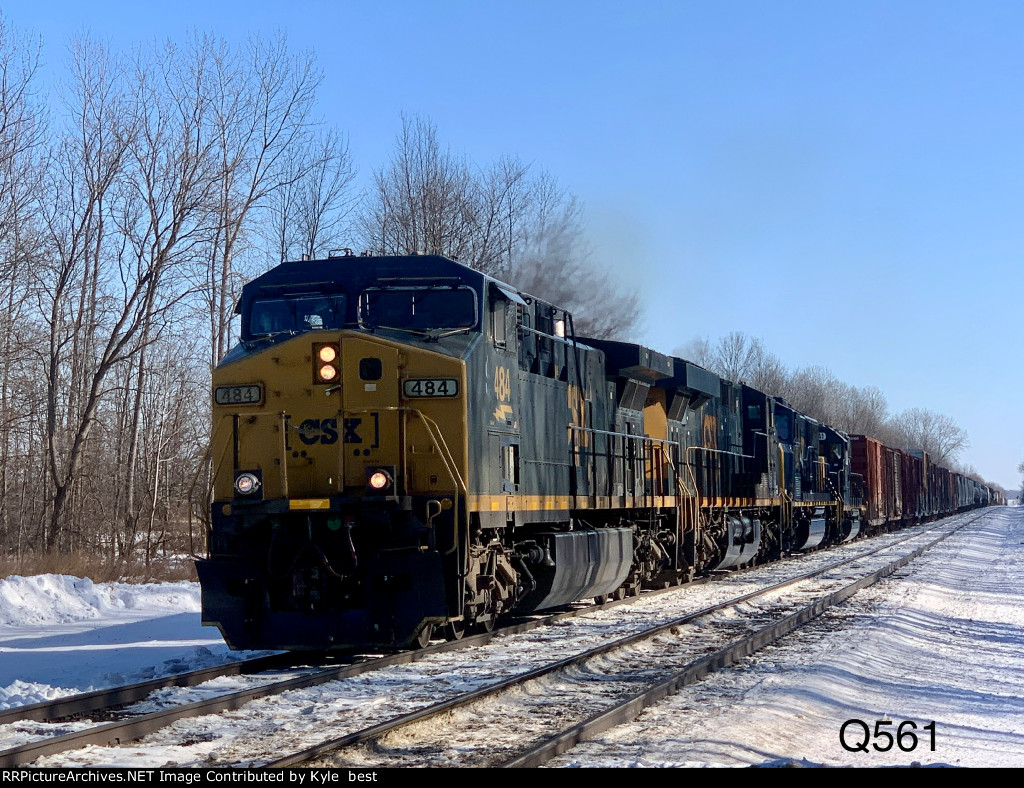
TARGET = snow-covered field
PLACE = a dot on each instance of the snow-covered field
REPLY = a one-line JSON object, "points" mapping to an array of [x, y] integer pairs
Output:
{"points": [[941, 642], [63, 635]]}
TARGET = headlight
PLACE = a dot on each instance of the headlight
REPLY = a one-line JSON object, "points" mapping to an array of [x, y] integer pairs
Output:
{"points": [[380, 481], [246, 483], [326, 362]]}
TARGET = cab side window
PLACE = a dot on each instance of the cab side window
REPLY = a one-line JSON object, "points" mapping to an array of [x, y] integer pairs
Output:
{"points": [[527, 339], [503, 321]]}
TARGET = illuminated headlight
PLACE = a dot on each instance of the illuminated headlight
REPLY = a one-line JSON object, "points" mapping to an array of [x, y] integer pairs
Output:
{"points": [[326, 362], [380, 481], [246, 483]]}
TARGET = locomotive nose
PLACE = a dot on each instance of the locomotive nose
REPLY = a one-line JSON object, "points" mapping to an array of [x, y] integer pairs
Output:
{"points": [[368, 413]]}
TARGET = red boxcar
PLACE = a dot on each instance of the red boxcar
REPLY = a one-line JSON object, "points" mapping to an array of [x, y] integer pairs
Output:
{"points": [[913, 488], [881, 470]]}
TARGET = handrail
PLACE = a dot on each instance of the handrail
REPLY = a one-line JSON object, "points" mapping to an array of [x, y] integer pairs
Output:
{"points": [[721, 451], [643, 438], [453, 471], [432, 428], [446, 456]]}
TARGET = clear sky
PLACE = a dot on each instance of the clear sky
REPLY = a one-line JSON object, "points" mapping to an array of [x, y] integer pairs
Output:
{"points": [[843, 180]]}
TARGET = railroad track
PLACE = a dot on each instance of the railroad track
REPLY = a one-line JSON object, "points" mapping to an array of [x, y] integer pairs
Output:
{"points": [[113, 705], [113, 734], [535, 712], [106, 700], [124, 725]]}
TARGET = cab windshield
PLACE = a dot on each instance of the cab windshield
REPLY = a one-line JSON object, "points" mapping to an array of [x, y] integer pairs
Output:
{"points": [[297, 314], [419, 308]]}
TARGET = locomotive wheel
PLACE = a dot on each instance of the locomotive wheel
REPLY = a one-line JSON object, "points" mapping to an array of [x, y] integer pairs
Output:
{"points": [[484, 626], [619, 593], [423, 638], [454, 630]]}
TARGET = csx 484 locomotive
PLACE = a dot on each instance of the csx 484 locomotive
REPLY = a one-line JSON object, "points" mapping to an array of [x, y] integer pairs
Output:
{"points": [[404, 446]]}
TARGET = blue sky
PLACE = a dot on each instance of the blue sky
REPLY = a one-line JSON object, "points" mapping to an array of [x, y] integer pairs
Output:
{"points": [[843, 180]]}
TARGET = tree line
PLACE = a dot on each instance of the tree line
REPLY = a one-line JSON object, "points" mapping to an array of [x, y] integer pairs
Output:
{"points": [[136, 199], [815, 390], [140, 194]]}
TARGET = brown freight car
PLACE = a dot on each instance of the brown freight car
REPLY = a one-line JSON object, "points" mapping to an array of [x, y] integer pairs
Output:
{"points": [[879, 469], [914, 489]]}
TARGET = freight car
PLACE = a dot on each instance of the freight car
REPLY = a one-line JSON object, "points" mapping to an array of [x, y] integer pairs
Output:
{"points": [[404, 447]]}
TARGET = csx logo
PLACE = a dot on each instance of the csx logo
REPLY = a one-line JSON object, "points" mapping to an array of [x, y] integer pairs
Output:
{"points": [[325, 431]]}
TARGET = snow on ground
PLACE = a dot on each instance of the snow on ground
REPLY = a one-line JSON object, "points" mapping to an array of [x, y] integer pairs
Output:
{"points": [[63, 635], [941, 641]]}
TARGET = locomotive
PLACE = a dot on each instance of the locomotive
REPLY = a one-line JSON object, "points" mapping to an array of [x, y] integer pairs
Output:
{"points": [[405, 447]]}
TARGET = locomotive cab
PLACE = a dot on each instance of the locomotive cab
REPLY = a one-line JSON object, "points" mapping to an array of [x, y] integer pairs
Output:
{"points": [[393, 441], [339, 456]]}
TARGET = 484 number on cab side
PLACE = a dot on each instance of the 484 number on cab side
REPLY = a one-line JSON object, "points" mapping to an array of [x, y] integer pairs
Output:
{"points": [[431, 387]]}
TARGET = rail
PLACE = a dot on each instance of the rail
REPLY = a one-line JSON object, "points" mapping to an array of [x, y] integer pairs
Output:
{"points": [[435, 736]]}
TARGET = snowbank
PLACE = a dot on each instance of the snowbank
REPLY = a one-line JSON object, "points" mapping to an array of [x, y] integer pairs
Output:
{"points": [[60, 635], [60, 599]]}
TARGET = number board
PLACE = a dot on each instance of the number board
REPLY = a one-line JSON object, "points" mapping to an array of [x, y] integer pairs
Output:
{"points": [[431, 387], [238, 395]]}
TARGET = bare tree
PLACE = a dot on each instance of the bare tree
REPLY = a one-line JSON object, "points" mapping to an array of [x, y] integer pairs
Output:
{"points": [[735, 356], [769, 374], [500, 220], [258, 106], [85, 331], [311, 210], [22, 130], [864, 412], [121, 233], [424, 200], [131, 200], [171, 447], [816, 391], [740, 358], [939, 435], [168, 217]]}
